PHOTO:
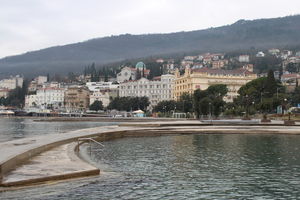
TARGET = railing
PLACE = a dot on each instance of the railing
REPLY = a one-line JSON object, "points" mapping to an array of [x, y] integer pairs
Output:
{"points": [[90, 140]]}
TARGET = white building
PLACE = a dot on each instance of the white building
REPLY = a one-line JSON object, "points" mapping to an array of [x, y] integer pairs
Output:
{"points": [[286, 53], [274, 51], [126, 74], [102, 91], [31, 101], [102, 96], [12, 83], [244, 58], [46, 97], [156, 90], [260, 54], [97, 86], [41, 80]]}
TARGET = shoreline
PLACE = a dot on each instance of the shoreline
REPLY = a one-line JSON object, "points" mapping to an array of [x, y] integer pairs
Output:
{"points": [[30, 147]]}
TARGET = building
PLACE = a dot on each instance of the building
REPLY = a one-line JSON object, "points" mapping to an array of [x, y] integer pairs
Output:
{"points": [[244, 58], [217, 56], [103, 91], [102, 96], [205, 77], [4, 92], [126, 74], [160, 89], [274, 51], [290, 81], [12, 82], [189, 58], [77, 99], [41, 80], [260, 54], [217, 64], [249, 67], [30, 101], [97, 86], [46, 98], [129, 73], [285, 54], [160, 60]]}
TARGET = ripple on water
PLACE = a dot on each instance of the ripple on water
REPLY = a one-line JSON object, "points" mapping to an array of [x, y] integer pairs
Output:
{"points": [[187, 167]]}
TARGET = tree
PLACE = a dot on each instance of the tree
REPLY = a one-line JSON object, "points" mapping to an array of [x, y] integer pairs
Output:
{"points": [[209, 100], [185, 103], [97, 105], [138, 74], [217, 90], [71, 77], [129, 103], [165, 106], [143, 70], [265, 92], [205, 107], [295, 96], [270, 84], [293, 67]]}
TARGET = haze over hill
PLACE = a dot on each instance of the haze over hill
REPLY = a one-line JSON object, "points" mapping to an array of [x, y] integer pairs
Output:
{"points": [[244, 34]]}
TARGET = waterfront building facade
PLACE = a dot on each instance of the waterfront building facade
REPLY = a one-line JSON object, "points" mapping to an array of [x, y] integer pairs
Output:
{"points": [[46, 98], [157, 90], [102, 95], [77, 99], [103, 91], [202, 78]]}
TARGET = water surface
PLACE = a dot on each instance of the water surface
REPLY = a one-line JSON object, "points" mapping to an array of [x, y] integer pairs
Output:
{"points": [[16, 128], [186, 167]]}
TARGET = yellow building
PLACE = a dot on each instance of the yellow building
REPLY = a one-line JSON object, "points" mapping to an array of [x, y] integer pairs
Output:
{"points": [[202, 78]]}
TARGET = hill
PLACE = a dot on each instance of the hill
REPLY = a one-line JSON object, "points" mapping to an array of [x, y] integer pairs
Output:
{"points": [[244, 34]]}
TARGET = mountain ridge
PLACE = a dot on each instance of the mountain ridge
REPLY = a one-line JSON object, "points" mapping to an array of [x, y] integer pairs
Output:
{"points": [[243, 34]]}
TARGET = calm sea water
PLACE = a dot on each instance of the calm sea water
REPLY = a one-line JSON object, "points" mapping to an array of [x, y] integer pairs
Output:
{"points": [[15, 128], [185, 167]]}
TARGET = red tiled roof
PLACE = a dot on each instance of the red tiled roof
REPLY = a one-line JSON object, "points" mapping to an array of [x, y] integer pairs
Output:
{"points": [[51, 88], [290, 75], [222, 71], [157, 78], [4, 90]]}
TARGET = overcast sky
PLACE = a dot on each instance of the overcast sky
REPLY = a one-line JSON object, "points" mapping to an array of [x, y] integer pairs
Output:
{"points": [[27, 25]]}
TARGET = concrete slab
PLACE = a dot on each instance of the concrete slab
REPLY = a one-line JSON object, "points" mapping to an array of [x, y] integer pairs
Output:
{"points": [[53, 163]]}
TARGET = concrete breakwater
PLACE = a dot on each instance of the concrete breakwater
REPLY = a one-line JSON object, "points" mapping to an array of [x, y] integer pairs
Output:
{"points": [[18, 152]]}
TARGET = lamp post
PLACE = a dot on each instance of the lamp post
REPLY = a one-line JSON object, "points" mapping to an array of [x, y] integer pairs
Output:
{"points": [[174, 111], [286, 108], [285, 105], [247, 107], [289, 121], [209, 110]]}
